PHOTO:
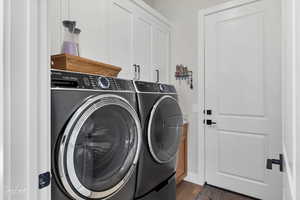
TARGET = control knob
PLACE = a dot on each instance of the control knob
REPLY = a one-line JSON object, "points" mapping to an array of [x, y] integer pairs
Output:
{"points": [[103, 82], [162, 88]]}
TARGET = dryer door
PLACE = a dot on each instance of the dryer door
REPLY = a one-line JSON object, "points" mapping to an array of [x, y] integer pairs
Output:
{"points": [[164, 129], [99, 148]]}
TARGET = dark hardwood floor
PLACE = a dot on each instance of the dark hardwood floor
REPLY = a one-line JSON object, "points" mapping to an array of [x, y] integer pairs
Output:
{"points": [[187, 191], [213, 193]]}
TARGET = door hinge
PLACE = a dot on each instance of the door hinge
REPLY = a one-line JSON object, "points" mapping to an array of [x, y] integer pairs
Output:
{"points": [[271, 162]]}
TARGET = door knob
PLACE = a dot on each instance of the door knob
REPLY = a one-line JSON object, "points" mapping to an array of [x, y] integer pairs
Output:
{"points": [[209, 122], [271, 162], [207, 112]]}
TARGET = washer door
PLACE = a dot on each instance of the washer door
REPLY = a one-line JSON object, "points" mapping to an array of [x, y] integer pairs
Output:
{"points": [[99, 148], [164, 129]]}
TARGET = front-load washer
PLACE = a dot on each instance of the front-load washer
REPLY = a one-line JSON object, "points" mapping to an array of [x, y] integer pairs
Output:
{"points": [[162, 122], [95, 137]]}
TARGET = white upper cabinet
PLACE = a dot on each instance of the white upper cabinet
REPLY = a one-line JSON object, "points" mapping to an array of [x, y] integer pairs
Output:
{"points": [[119, 32], [91, 18], [161, 52], [55, 26], [142, 46], [121, 36]]}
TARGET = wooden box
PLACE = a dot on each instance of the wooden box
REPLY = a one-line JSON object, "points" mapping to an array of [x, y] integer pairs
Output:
{"points": [[182, 165], [79, 64]]}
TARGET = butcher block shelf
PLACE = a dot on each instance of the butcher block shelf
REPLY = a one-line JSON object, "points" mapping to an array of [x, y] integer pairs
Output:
{"points": [[83, 65], [182, 164]]}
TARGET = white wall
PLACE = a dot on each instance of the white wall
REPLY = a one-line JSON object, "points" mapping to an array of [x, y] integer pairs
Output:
{"points": [[183, 14]]}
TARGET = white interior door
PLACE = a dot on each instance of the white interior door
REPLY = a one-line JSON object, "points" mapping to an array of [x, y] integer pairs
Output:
{"points": [[243, 90], [142, 46]]}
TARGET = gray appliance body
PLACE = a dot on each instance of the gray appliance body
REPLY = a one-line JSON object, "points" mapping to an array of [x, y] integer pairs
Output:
{"points": [[161, 121], [95, 137]]}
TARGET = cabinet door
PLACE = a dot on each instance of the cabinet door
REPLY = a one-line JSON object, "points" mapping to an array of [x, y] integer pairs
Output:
{"points": [[91, 18], [161, 52], [182, 165], [121, 36], [142, 46], [58, 11]]}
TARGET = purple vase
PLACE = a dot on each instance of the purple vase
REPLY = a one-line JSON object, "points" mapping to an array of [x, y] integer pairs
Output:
{"points": [[70, 48]]}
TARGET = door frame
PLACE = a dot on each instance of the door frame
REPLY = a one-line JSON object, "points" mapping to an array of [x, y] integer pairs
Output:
{"points": [[25, 98], [1, 100], [297, 52], [201, 179], [293, 179]]}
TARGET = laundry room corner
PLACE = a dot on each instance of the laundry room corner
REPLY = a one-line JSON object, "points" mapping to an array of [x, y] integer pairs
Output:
{"points": [[149, 99], [185, 43]]}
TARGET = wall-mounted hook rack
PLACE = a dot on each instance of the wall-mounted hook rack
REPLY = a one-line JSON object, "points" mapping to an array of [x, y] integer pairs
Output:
{"points": [[183, 73]]}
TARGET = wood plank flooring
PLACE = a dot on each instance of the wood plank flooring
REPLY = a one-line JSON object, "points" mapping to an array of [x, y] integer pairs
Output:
{"points": [[190, 191], [212, 193], [187, 191]]}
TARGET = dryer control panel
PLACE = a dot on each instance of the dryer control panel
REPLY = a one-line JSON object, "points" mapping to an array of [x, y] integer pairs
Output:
{"points": [[69, 80], [154, 87]]}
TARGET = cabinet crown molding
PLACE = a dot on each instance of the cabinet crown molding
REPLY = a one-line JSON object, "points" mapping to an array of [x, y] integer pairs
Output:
{"points": [[152, 12]]}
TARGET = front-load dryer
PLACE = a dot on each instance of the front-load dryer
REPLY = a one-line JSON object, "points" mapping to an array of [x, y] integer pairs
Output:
{"points": [[162, 122], [96, 137]]}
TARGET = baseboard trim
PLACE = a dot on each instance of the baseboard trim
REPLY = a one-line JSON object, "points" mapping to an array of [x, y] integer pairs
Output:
{"points": [[194, 178]]}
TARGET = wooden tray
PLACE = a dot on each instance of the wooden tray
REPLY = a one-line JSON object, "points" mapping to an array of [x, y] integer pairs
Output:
{"points": [[79, 64]]}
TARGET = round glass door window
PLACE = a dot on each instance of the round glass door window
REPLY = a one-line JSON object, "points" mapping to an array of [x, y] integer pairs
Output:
{"points": [[100, 148], [164, 129]]}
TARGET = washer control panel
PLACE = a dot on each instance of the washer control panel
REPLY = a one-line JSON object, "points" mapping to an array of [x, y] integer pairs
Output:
{"points": [[154, 87], [66, 79]]}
